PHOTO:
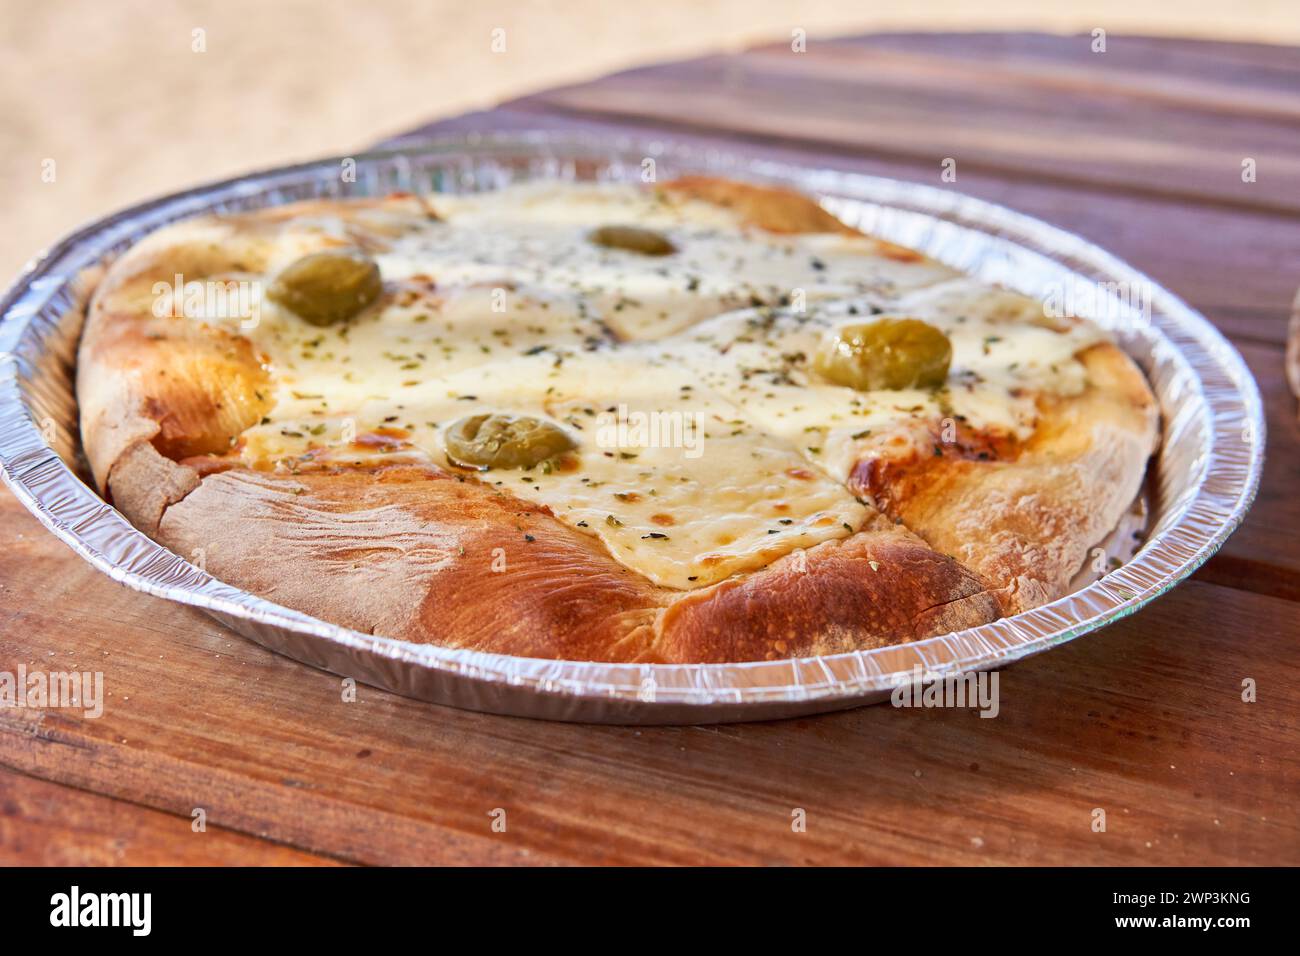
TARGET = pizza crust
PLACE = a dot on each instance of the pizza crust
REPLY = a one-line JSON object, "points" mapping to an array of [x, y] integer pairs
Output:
{"points": [[414, 553], [426, 556], [1024, 517], [777, 210], [184, 387], [878, 587], [142, 484]]}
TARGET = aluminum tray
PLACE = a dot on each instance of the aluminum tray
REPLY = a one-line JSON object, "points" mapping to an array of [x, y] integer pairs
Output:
{"points": [[1205, 476]]}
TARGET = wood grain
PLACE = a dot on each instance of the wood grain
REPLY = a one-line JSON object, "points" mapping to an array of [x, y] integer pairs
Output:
{"points": [[1138, 149], [1053, 117], [46, 824]]}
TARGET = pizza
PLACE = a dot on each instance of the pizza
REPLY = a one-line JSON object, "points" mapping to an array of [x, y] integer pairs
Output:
{"points": [[693, 422]]}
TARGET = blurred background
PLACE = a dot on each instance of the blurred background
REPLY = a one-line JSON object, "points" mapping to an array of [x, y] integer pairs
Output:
{"points": [[118, 95]]}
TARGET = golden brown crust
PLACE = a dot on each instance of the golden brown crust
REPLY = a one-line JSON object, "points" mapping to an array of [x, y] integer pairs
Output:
{"points": [[878, 587], [1024, 518], [186, 386], [419, 554], [775, 209], [416, 553], [182, 385], [772, 208]]}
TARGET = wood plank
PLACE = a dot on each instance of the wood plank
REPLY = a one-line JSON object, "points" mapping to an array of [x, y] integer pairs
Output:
{"points": [[1042, 85], [196, 716], [46, 824], [1250, 65], [923, 108]]}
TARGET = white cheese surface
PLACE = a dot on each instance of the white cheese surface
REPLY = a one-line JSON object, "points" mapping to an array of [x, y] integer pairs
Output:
{"points": [[704, 443]]}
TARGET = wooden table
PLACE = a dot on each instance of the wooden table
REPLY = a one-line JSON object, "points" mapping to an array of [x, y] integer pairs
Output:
{"points": [[1139, 148]]}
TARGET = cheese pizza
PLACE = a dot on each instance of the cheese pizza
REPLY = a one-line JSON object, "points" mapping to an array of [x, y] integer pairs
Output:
{"points": [[703, 421]]}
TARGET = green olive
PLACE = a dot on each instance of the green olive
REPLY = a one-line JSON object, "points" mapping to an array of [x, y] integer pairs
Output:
{"points": [[504, 441], [327, 287], [888, 353], [633, 239]]}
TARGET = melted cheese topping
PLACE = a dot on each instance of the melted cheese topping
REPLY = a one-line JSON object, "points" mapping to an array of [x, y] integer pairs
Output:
{"points": [[1003, 358], [704, 445], [670, 476], [537, 234]]}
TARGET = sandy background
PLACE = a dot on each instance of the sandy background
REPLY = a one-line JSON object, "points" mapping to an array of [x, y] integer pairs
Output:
{"points": [[114, 94]]}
